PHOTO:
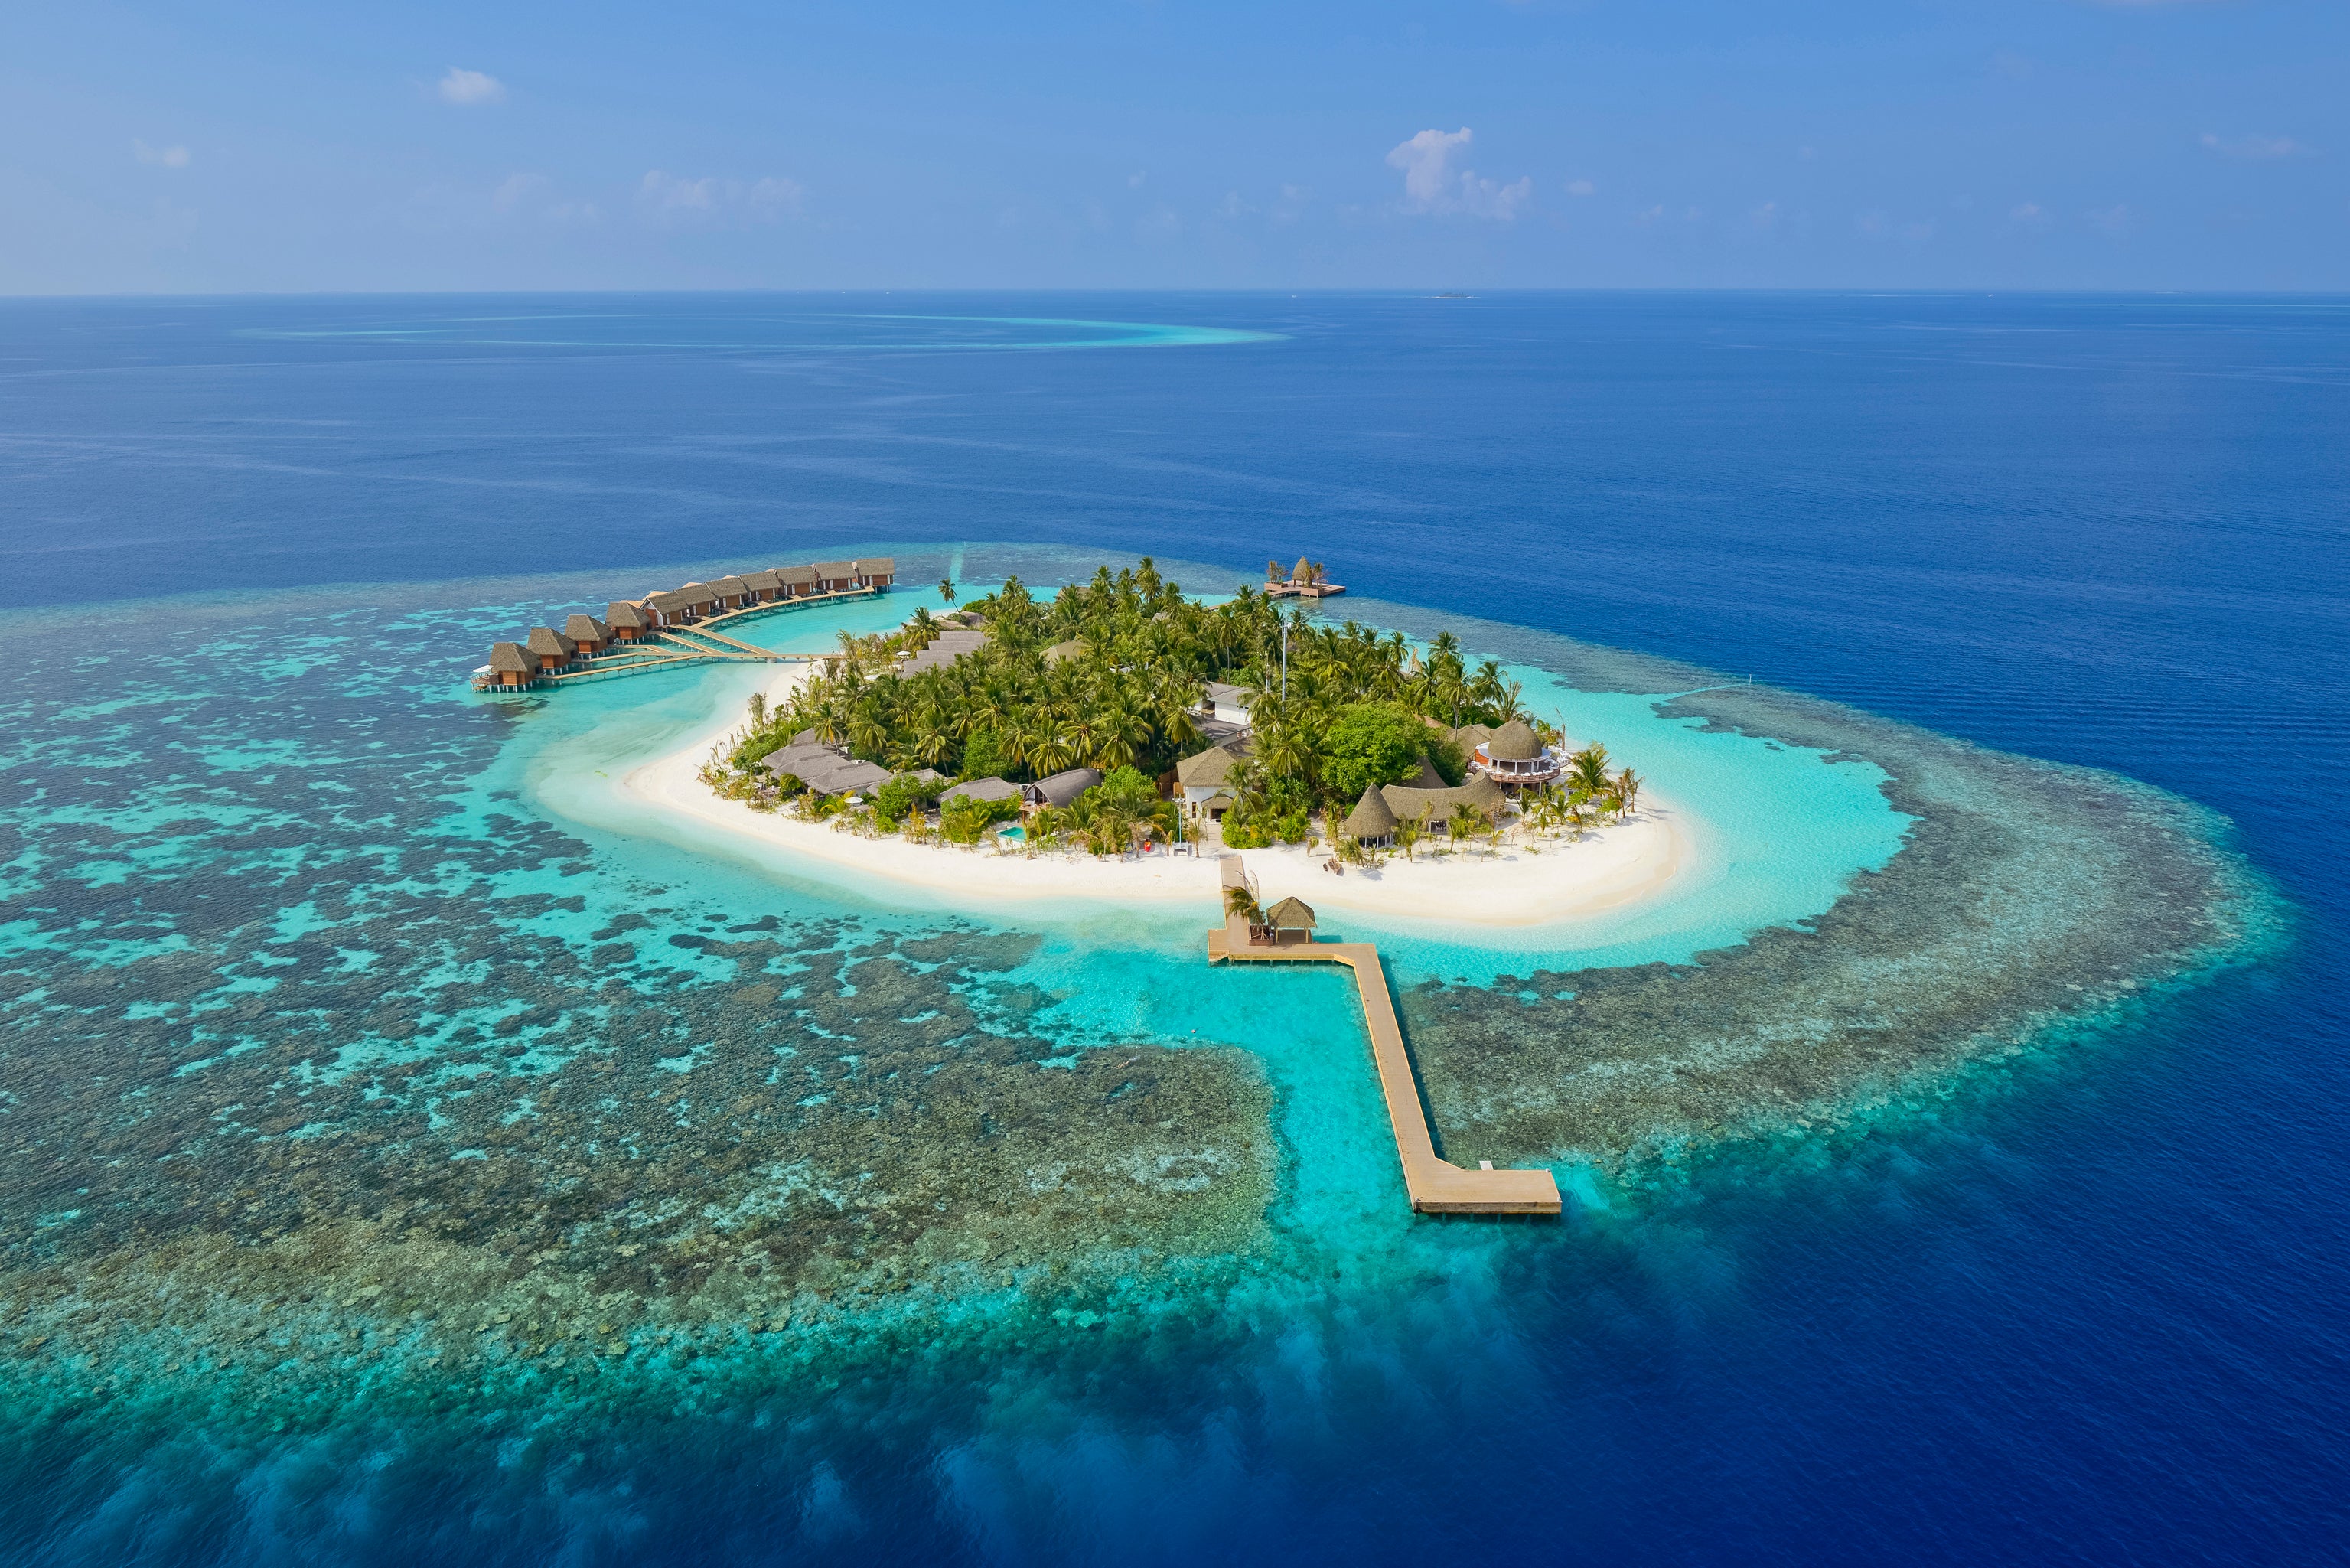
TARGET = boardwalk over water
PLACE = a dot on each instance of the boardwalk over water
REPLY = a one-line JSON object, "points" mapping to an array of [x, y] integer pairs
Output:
{"points": [[1436, 1186]]}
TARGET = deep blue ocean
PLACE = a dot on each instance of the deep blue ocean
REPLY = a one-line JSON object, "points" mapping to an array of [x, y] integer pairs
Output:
{"points": [[2096, 1317]]}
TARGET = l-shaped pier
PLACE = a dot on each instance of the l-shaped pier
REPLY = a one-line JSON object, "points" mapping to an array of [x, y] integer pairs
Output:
{"points": [[1436, 1185]]}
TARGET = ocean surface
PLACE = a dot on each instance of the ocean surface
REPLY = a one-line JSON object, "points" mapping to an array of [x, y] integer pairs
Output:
{"points": [[327, 986]]}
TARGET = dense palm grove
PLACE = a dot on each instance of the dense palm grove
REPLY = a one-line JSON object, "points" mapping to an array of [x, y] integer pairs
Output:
{"points": [[1110, 674]]}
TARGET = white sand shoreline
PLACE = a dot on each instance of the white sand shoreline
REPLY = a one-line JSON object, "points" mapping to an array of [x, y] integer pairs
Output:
{"points": [[1607, 869]]}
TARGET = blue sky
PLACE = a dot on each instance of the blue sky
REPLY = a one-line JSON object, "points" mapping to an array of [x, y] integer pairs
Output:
{"points": [[1680, 143]]}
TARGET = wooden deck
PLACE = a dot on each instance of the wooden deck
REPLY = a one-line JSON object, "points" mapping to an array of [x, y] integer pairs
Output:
{"points": [[1437, 1186], [688, 642]]}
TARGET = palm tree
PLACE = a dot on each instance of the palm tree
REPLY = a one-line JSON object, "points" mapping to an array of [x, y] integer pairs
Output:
{"points": [[1628, 793], [947, 589], [1240, 902], [1588, 769], [758, 709], [1407, 832]]}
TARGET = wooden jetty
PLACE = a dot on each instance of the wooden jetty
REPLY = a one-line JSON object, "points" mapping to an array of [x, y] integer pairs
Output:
{"points": [[1436, 1185]]}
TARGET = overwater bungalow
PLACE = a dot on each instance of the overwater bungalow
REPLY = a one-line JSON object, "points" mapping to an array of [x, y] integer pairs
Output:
{"points": [[764, 586], [1513, 756], [589, 635], [510, 668], [876, 572], [1061, 788], [733, 593], [835, 576], [798, 582], [628, 620], [552, 649], [674, 608]]}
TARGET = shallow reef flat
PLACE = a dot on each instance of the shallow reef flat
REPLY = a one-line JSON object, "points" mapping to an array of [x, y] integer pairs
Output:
{"points": [[2028, 900], [335, 1078]]}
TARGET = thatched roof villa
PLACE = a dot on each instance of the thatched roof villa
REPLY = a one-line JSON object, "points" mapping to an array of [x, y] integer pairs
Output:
{"points": [[628, 620], [552, 650], [1515, 756], [988, 789], [510, 667], [1204, 777], [590, 636]]}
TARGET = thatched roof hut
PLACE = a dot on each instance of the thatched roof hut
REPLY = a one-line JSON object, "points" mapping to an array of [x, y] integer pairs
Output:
{"points": [[628, 621], [984, 790], [587, 631], [1371, 822], [510, 665], [1440, 804], [1073, 648], [1290, 914]]}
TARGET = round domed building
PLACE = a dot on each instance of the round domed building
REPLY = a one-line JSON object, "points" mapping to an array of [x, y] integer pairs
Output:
{"points": [[1515, 756]]}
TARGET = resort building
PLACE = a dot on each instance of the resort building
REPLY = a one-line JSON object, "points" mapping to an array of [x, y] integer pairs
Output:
{"points": [[990, 789], [798, 582], [589, 635], [826, 770], [1061, 788], [944, 649], [1433, 808], [1061, 651], [1226, 704], [510, 668], [835, 576], [1306, 580], [1370, 823], [763, 586], [876, 572], [551, 648], [1205, 779], [1513, 756], [628, 620]]}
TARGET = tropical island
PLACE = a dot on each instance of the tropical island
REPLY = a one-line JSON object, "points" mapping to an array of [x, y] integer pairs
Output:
{"points": [[1124, 719]]}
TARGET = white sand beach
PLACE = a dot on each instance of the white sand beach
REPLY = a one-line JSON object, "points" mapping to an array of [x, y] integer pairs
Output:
{"points": [[1548, 881]]}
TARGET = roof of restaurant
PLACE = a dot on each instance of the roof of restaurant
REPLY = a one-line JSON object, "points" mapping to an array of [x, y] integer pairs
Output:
{"points": [[1405, 801], [1515, 741]]}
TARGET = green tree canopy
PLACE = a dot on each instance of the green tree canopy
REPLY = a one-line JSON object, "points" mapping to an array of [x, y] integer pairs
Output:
{"points": [[1371, 743]]}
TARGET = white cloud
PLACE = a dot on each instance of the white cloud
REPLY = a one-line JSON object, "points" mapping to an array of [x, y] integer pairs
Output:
{"points": [[160, 157], [1430, 183], [470, 89], [1581, 188], [1766, 215], [2031, 214], [2257, 149], [1134, 181], [673, 198], [2114, 220]]}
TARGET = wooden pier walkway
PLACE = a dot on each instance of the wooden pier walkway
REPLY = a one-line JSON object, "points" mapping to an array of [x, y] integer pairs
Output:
{"points": [[1436, 1185]]}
